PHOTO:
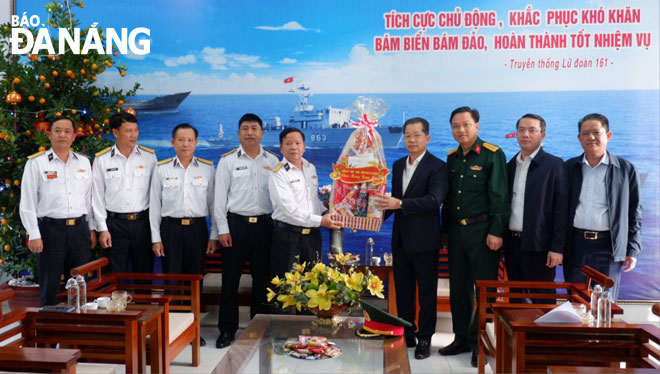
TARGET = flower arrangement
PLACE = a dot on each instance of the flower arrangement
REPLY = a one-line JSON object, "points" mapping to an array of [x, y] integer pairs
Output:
{"points": [[324, 195], [321, 286]]}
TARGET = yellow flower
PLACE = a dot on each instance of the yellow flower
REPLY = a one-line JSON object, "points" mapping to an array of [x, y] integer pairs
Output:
{"points": [[334, 275], [276, 281], [375, 286], [271, 294], [354, 281], [292, 278], [312, 277], [321, 298], [288, 300], [342, 258], [299, 268], [319, 267]]}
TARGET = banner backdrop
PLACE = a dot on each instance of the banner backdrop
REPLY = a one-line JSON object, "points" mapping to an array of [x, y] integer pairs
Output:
{"points": [[559, 59]]}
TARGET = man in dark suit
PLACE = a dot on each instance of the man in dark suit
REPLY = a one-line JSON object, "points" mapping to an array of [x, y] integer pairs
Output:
{"points": [[605, 211], [538, 192], [419, 187]]}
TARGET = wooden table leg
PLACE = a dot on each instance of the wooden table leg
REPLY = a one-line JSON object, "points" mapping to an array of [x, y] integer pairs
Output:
{"points": [[156, 347], [518, 352], [391, 292]]}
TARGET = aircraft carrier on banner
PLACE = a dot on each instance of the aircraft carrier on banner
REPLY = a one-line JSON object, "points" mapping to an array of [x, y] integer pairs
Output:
{"points": [[323, 128]]}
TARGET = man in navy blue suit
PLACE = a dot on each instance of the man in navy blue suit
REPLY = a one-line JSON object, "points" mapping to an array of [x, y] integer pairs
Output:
{"points": [[419, 187], [538, 192]]}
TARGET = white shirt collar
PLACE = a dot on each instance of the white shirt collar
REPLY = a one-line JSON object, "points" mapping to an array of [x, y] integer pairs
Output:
{"points": [[531, 157], [605, 160], [304, 162], [177, 162], [241, 152], [417, 160]]}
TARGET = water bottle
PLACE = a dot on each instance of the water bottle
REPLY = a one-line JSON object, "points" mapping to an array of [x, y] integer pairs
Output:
{"points": [[369, 251], [73, 291], [82, 289], [595, 295], [605, 310]]}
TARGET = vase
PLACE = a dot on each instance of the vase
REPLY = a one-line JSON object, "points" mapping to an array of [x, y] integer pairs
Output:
{"points": [[24, 296], [328, 317]]}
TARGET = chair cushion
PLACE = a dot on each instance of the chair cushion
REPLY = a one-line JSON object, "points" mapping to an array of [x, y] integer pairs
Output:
{"points": [[95, 369], [490, 331], [213, 283], [179, 322], [443, 287]]}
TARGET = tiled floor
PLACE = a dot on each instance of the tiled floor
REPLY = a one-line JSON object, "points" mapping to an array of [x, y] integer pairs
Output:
{"points": [[434, 364]]}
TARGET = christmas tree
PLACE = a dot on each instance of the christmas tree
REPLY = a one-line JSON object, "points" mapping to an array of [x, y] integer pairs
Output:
{"points": [[36, 88]]}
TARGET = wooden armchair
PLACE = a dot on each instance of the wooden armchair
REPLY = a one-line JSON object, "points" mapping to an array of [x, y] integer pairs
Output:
{"points": [[212, 283], [500, 293], [182, 324]]}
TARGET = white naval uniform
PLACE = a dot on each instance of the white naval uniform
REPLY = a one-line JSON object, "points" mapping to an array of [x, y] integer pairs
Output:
{"points": [[121, 184], [242, 209], [294, 194], [180, 192], [241, 185], [297, 212], [55, 195], [56, 189]]}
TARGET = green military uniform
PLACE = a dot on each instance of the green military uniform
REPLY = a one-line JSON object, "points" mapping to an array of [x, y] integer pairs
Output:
{"points": [[477, 204]]}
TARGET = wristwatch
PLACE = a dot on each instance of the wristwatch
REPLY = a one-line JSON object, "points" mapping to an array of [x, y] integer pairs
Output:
{"points": [[401, 204]]}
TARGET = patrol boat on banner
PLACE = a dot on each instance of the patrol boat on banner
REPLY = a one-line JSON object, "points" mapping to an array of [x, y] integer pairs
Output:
{"points": [[323, 128]]}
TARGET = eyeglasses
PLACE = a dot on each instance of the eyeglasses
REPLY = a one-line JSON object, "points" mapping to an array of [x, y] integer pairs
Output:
{"points": [[595, 134], [522, 130]]}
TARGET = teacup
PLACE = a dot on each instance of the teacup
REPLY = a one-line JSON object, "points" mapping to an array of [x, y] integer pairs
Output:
{"points": [[115, 306], [102, 301], [375, 261], [91, 306], [122, 297]]}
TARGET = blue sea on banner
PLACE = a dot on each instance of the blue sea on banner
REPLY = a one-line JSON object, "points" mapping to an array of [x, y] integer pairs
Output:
{"points": [[633, 115]]}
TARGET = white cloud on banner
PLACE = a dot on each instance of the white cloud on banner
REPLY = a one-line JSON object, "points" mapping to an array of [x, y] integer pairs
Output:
{"points": [[287, 60], [215, 57], [181, 60], [220, 60], [289, 26]]}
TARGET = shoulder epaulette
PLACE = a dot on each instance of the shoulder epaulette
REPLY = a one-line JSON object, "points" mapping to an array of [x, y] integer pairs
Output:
{"points": [[271, 152], [36, 154], [277, 167], [146, 149], [452, 151], [490, 147], [165, 161], [230, 152], [103, 151], [207, 162]]}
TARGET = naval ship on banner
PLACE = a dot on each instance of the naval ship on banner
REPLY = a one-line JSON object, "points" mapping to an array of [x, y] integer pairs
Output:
{"points": [[323, 128]]}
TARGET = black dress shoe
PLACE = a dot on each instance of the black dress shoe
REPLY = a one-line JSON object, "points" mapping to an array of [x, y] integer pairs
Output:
{"points": [[411, 342], [423, 349], [454, 348], [224, 340], [202, 342], [475, 358]]}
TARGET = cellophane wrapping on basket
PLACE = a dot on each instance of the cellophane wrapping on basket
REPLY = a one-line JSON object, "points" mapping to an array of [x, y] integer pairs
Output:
{"points": [[361, 170]]}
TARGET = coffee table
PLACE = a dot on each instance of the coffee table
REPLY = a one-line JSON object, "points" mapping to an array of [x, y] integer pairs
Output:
{"points": [[258, 348]]}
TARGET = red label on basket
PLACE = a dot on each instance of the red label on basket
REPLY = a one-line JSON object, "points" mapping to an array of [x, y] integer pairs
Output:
{"points": [[359, 175]]}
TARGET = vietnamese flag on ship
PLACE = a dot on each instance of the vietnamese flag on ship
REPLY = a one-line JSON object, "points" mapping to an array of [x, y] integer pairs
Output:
{"points": [[288, 80], [510, 135]]}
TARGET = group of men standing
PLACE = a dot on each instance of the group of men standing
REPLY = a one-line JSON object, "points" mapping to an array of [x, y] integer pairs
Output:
{"points": [[537, 211], [541, 210], [259, 208]]}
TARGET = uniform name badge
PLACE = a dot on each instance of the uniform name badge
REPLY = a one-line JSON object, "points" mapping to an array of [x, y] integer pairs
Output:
{"points": [[170, 182], [241, 171], [200, 181], [50, 174]]}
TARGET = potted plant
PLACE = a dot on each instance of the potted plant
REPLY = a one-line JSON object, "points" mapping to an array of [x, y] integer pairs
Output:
{"points": [[325, 290]]}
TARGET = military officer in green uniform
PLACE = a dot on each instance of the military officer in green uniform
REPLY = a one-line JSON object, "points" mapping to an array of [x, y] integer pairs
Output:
{"points": [[475, 214]]}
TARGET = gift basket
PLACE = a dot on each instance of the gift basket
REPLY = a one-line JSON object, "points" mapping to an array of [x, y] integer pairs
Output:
{"points": [[361, 170]]}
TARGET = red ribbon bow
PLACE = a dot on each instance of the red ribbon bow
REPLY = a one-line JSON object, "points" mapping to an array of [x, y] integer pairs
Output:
{"points": [[365, 122]]}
